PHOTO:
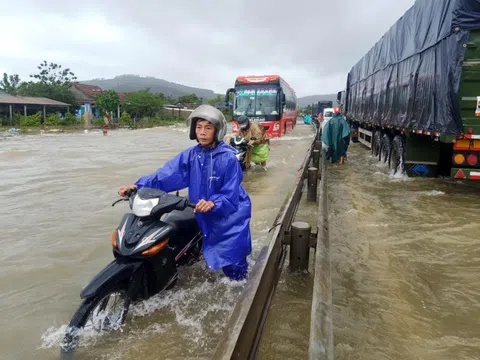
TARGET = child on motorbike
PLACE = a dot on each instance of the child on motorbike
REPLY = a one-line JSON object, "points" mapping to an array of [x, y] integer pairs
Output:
{"points": [[213, 176]]}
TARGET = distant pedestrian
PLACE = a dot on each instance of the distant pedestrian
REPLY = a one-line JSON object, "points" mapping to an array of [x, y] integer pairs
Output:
{"points": [[336, 137]]}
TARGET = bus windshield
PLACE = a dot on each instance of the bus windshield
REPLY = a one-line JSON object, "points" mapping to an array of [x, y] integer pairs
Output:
{"points": [[256, 100]]}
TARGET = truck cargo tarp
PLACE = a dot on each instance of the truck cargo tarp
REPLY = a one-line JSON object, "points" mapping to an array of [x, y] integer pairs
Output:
{"points": [[410, 78]]}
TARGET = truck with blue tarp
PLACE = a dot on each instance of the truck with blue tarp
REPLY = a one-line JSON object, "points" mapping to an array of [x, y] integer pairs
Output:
{"points": [[414, 98]]}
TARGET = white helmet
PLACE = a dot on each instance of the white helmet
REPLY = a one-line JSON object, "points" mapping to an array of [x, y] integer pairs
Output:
{"points": [[212, 115]]}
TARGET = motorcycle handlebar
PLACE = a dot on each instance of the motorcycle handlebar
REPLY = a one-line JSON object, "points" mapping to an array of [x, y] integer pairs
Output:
{"points": [[131, 192]]}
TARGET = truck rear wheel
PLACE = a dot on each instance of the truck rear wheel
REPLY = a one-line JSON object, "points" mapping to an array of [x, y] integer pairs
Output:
{"points": [[397, 156], [386, 149]]}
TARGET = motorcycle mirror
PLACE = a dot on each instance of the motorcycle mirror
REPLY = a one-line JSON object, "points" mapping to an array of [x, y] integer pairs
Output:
{"points": [[116, 202]]}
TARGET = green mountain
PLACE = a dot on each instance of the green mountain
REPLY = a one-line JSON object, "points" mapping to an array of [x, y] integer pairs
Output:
{"points": [[130, 83]]}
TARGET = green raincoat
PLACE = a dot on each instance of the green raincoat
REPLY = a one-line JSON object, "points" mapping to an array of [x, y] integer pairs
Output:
{"points": [[336, 135], [260, 153], [261, 146]]}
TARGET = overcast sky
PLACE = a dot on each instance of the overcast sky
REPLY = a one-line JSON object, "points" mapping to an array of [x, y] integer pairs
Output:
{"points": [[311, 43]]}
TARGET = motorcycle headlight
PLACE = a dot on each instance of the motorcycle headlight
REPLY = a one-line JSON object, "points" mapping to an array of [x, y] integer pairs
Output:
{"points": [[143, 207]]}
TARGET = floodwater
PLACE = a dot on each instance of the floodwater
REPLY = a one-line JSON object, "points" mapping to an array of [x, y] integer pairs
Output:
{"points": [[405, 264], [56, 220], [405, 261], [405, 255], [287, 328]]}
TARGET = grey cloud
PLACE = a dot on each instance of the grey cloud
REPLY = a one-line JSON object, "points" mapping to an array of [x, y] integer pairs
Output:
{"points": [[208, 43]]}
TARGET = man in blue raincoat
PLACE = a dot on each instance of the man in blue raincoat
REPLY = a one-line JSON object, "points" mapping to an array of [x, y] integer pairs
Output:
{"points": [[213, 176], [336, 137]]}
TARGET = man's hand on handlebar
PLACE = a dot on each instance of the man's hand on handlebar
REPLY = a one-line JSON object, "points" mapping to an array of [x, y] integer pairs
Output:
{"points": [[203, 206], [126, 190]]}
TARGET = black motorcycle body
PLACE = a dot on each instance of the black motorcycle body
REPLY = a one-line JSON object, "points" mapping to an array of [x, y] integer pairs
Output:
{"points": [[148, 246]]}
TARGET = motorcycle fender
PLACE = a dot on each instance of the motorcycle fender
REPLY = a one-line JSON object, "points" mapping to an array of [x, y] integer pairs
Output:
{"points": [[112, 274]]}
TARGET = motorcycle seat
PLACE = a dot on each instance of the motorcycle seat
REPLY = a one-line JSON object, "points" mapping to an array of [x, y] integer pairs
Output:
{"points": [[181, 220]]}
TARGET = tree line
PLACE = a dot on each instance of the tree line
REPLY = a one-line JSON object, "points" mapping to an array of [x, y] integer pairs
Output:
{"points": [[52, 81]]}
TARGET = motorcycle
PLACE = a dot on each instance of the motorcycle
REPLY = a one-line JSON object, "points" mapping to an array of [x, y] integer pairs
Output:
{"points": [[149, 244], [241, 144]]}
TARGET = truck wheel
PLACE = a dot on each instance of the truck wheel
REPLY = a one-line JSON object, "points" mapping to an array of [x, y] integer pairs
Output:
{"points": [[397, 156], [386, 149], [377, 144]]}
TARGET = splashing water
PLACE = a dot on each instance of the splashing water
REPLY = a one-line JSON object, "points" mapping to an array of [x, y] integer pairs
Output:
{"points": [[433, 193], [182, 303]]}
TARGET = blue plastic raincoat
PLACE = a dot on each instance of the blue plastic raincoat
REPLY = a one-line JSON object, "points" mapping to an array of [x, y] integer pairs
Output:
{"points": [[336, 135], [215, 175], [307, 119]]}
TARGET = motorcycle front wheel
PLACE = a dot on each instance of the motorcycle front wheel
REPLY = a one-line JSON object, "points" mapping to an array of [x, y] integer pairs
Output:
{"points": [[98, 314]]}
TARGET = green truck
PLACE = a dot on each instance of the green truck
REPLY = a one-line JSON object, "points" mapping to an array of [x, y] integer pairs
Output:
{"points": [[414, 98]]}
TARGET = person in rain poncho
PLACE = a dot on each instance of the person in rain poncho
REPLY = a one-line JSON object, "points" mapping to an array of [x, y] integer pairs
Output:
{"points": [[307, 119], [336, 137], [255, 133], [213, 176]]}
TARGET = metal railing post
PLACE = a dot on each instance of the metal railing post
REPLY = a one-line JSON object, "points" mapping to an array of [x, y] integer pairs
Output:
{"points": [[300, 245]]}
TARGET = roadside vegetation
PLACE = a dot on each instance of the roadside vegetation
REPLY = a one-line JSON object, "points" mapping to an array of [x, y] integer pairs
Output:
{"points": [[139, 109]]}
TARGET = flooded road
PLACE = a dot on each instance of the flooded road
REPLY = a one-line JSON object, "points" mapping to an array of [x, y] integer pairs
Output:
{"points": [[405, 270], [56, 223], [405, 264], [405, 255]]}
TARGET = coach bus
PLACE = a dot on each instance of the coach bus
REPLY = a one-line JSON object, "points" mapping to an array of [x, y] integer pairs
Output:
{"points": [[267, 99]]}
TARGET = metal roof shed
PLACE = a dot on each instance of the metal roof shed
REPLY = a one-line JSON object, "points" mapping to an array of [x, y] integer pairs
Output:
{"points": [[24, 100]]}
